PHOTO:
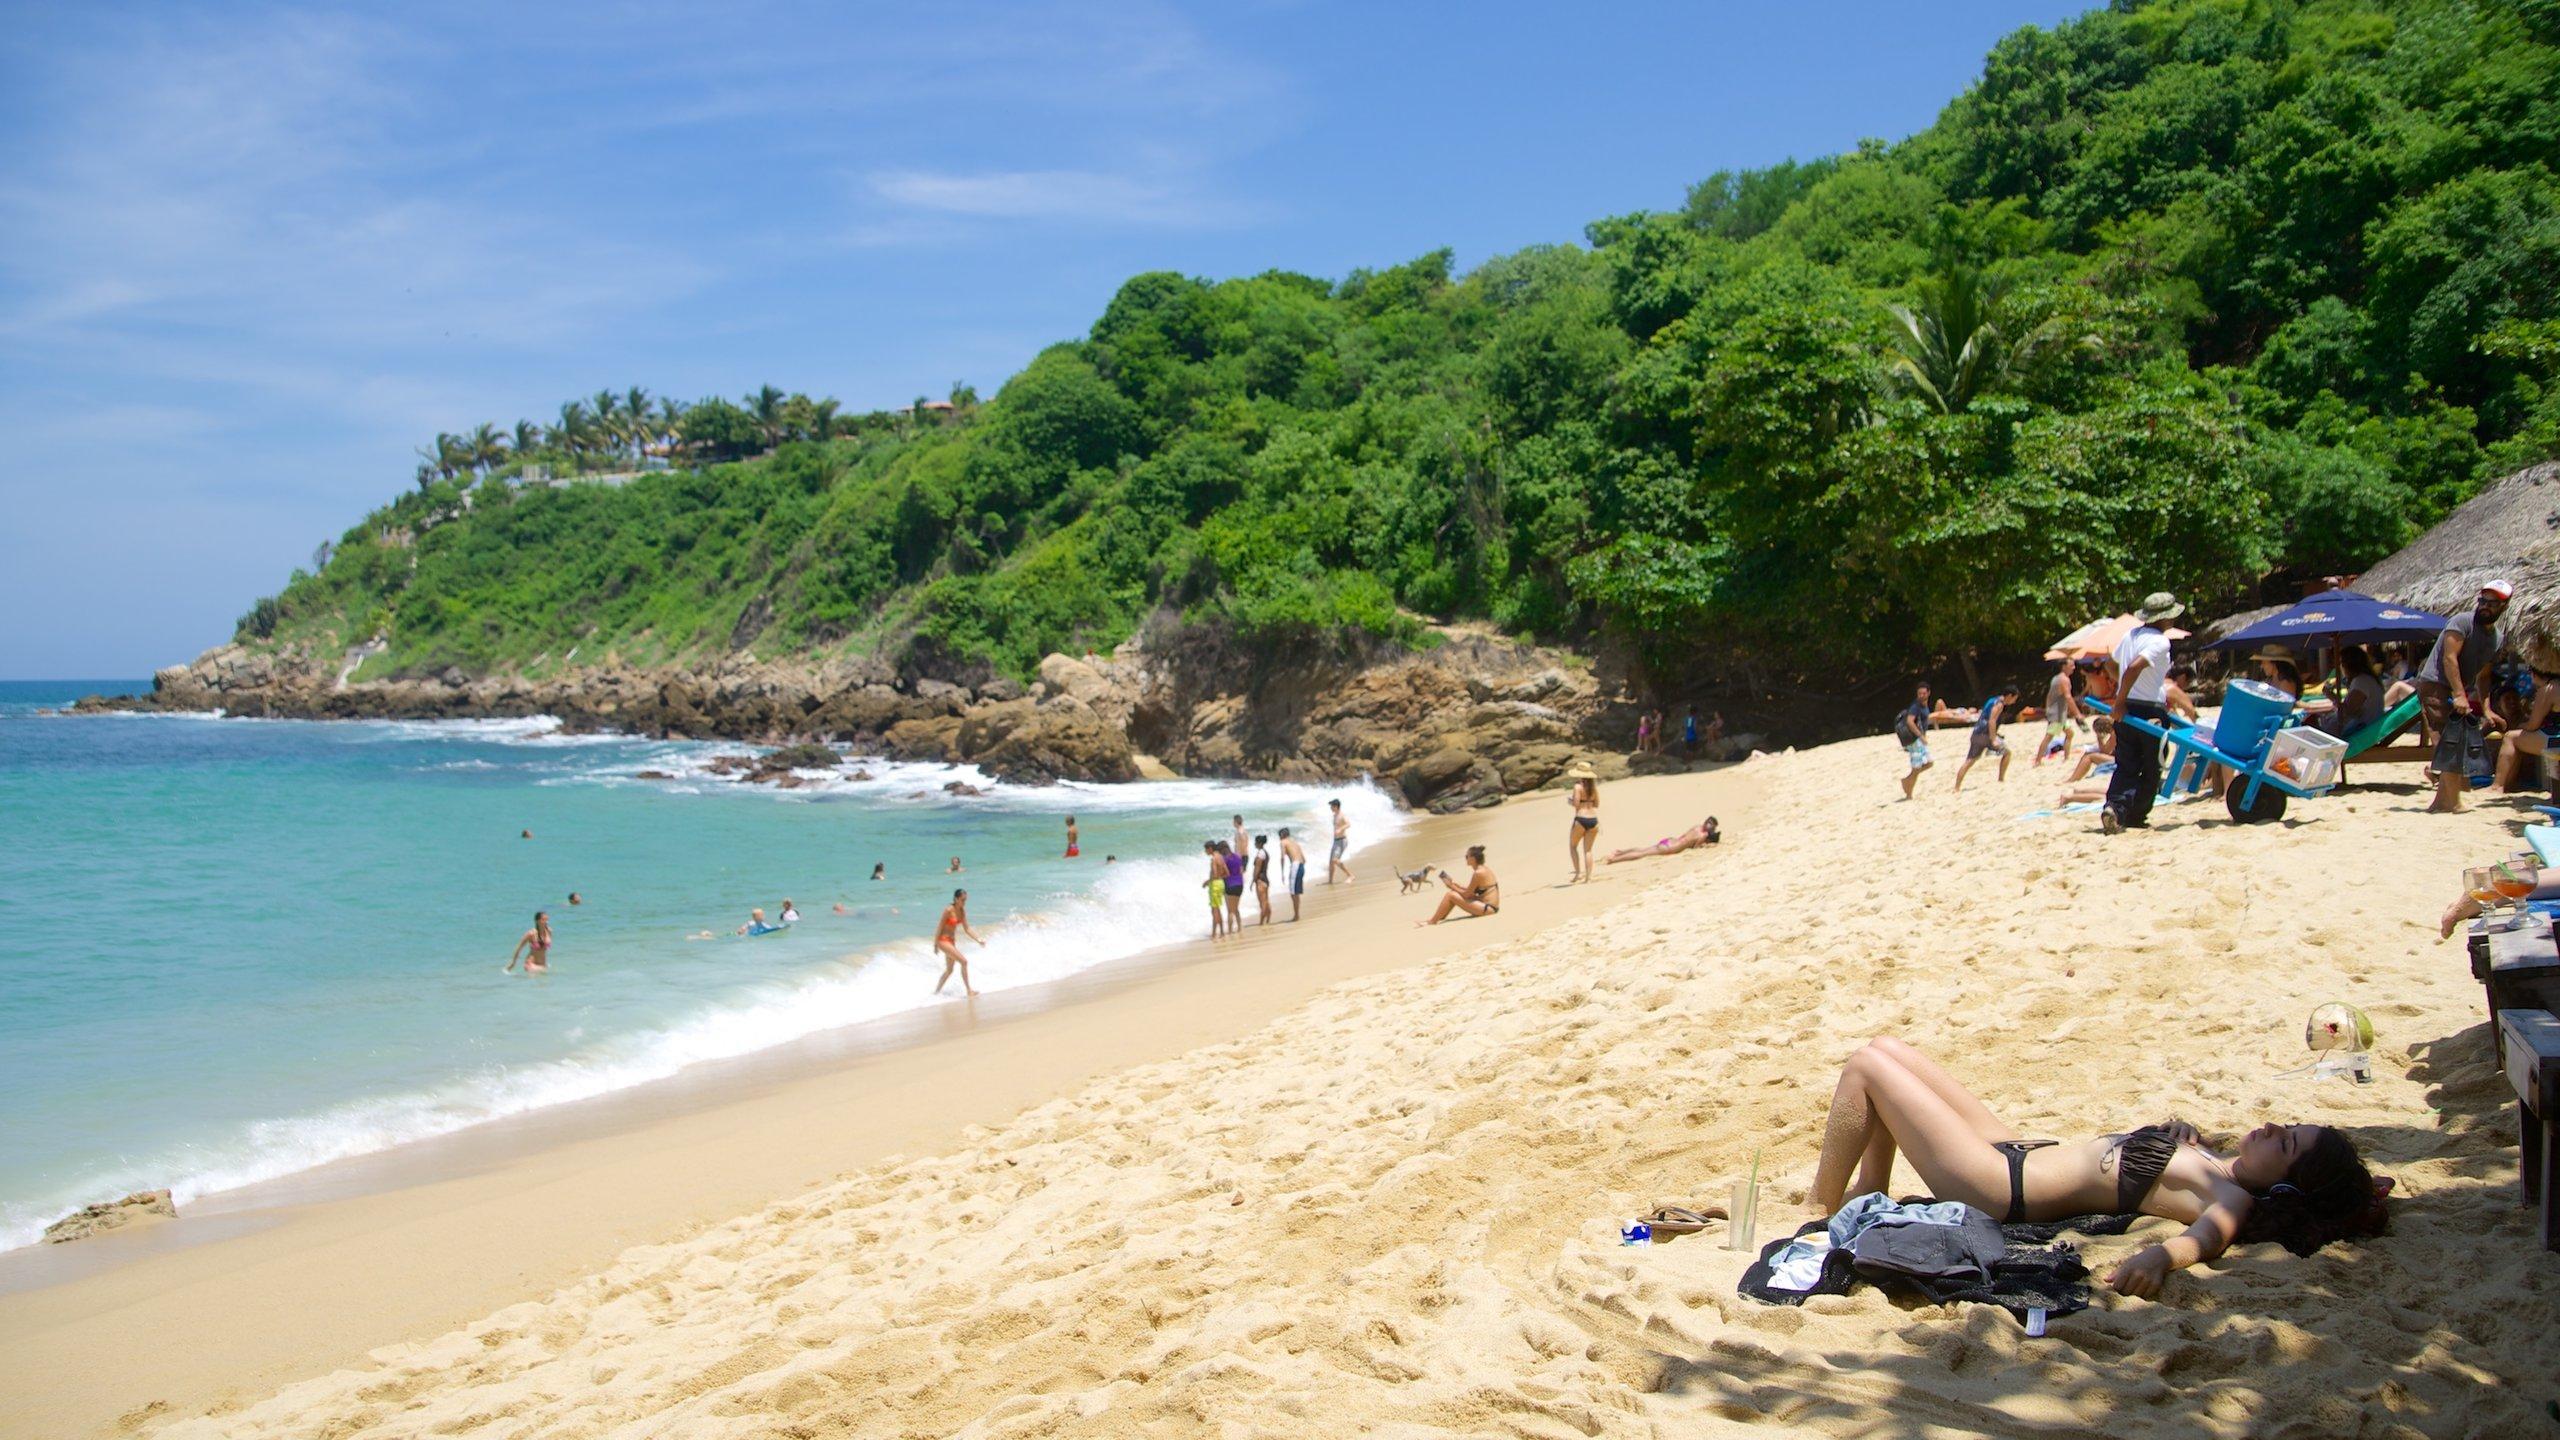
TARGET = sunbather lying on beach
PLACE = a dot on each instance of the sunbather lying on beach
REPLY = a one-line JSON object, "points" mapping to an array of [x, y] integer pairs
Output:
{"points": [[2299, 1185], [1942, 713], [1702, 833]]}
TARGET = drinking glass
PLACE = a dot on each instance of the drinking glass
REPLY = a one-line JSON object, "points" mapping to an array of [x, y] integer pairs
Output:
{"points": [[2475, 883], [2514, 879]]}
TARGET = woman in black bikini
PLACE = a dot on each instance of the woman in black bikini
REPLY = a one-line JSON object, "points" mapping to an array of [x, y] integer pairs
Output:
{"points": [[1584, 832], [1481, 895], [2299, 1185]]}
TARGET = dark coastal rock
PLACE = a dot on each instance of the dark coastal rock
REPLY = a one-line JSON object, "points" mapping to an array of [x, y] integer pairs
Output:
{"points": [[807, 755], [923, 739], [961, 787], [653, 775], [1449, 780], [1029, 742], [109, 1215]]}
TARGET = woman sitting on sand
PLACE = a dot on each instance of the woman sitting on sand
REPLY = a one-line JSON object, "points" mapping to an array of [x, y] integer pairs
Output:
{"points": [[1702, 833], [2299, 1185], [1481, 895]]}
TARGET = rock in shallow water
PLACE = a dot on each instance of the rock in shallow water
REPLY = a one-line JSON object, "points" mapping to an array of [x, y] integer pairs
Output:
{"points": [[92, 1219]]}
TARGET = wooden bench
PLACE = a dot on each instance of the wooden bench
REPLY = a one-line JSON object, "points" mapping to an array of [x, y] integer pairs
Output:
{"points": [[2517, 969], [2530, 1042]]}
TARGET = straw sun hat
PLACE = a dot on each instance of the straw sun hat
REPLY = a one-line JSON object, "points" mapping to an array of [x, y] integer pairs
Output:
{"points": [[1582, 771]]}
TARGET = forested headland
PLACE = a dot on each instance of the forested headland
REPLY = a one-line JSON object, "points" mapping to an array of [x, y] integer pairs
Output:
{"points": [[2209, 295]]}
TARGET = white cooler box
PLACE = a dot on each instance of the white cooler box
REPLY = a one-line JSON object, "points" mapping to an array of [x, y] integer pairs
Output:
{"points": [[2316, 756]]}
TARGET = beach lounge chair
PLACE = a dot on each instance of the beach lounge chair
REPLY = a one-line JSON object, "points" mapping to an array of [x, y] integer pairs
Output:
{"points": [[2373, 742]]}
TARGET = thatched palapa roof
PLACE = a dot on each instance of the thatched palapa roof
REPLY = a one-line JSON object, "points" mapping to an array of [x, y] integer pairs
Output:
{"points": [[2510, 531]]}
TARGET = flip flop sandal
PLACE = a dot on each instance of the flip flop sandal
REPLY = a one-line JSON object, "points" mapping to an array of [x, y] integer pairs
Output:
{"points": [[1673, 1220]]}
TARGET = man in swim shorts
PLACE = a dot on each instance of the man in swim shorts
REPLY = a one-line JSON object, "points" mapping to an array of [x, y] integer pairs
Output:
{"points": [[1341, 844], [1985, 739], [2061, 715], [1293, 864], [1911, 727], [955, 923], [535, 948]]}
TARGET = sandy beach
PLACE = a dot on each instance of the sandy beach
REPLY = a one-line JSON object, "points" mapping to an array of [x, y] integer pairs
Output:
{"points": [[1368, 1180]]}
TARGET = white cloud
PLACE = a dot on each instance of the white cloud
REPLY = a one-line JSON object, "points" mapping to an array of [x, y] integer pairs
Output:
{"points": [[1087, 195]]}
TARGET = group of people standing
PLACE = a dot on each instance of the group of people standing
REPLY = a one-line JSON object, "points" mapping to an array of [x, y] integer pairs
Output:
{"points": [[1236, 862], [2461, 697]]}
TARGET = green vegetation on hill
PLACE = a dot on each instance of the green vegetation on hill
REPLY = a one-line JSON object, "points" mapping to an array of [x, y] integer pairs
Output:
{"points": [[2198, 293]]}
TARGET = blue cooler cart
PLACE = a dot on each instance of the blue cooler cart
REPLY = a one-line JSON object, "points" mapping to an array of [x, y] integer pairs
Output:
{"points": [[2269, 760]]}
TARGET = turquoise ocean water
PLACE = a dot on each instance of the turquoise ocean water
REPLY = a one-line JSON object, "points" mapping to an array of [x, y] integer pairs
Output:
{"points": [[233, 949]]}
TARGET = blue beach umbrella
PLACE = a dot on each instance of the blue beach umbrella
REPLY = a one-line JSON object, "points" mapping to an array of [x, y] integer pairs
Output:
{"points": [[2336, 617]]}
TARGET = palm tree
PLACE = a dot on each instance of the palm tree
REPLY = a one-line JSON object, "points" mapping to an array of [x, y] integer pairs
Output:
{"points": [[766, 406], [822, 417], [571, 433], [635, 419], [1946, 349], [528, 437], [486, 448]]}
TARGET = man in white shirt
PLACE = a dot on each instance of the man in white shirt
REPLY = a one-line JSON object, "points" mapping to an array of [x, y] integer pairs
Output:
{"points": [[2142, 686]]}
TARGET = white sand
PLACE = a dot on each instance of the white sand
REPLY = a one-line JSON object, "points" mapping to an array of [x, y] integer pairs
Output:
{"points": [[1392, 1210]]}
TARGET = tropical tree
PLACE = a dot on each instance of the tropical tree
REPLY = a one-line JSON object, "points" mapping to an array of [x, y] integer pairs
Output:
{"points": [[765, 406]]}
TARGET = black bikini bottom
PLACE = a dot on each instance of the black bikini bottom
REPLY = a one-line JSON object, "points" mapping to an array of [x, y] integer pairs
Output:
{"points": [[2017, 1150]]}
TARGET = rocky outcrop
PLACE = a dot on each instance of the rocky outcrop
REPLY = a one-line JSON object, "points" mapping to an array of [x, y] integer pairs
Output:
{"points": [[1464, 723], [109, 1215]]}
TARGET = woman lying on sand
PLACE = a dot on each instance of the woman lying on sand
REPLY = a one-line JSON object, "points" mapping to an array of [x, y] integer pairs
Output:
{"points": [[2299, 1185], [1702, 833]]}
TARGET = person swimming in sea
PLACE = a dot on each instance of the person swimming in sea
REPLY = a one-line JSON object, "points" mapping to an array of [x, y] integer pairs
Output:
{"points": [[880, 870], [757, 924], [535, 948], [1072, 851], [955, 866], [946, 941], [573, 898], [790, 912]]}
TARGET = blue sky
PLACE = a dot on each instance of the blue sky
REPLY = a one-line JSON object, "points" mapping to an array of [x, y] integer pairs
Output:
{"points": [[250, 256]]}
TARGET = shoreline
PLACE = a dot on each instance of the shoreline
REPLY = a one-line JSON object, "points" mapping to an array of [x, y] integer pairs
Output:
{"points": [[325, 1259]]}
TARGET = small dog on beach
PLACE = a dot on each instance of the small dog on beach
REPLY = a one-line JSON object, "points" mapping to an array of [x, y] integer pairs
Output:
{"points": [[1412, 882]]}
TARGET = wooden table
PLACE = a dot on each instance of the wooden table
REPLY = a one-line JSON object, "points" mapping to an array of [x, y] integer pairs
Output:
{"points": [[2519, 968]]}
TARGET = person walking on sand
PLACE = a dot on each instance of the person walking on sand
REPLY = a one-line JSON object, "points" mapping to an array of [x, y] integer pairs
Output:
{"points": [[1217, 886], [1985, 739], [946, 939], [1341, 844], [2142, 688], [1584, 831], [2453, 689], [2061, 717], [1293, 869], [534, 948], [1072, 851], [1262, 876], [1481, 895], [1236, 840], [1911, 727]]}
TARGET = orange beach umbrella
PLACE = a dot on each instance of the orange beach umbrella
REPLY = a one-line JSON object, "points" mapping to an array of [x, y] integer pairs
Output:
{"points": [[2098, 639]]}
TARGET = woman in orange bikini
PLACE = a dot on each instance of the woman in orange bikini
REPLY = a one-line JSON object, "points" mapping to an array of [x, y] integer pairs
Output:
{"points": [[955, 922]]}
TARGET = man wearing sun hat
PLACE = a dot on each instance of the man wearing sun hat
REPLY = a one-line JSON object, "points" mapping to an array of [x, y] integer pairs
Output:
{"points": [[2142, 687], [2453, 688]]}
